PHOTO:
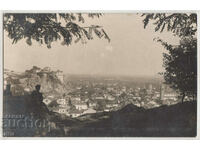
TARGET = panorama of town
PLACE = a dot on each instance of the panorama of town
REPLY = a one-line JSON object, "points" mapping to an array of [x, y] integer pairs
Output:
{"points": [[76, 95]]}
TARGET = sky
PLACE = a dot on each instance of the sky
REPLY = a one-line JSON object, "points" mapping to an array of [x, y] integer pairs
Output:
{"points": [[131, 51]]}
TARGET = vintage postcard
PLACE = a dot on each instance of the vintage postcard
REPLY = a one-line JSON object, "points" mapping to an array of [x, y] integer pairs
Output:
{"points": [[71, 74]]}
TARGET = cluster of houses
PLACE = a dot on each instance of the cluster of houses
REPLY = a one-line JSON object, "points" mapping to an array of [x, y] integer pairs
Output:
{"points": [[75, 106], [81, 100], [72, 108]]}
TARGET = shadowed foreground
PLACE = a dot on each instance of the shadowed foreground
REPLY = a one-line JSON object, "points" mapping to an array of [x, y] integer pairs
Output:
{"points": [[131, 121], [173, 121]]}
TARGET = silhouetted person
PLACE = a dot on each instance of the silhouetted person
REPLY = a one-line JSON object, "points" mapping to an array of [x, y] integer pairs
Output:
{"points": [[36, 95], [38, 107], [7, 91]]}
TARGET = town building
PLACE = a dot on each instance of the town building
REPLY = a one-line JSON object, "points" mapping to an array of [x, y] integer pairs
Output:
{"points": [[61, 101], [80, 105], [76, 113], [89, 111], [92, 104], [46, 101]]}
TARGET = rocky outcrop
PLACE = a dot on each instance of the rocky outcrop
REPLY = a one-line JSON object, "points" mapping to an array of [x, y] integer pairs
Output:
{"points": [[25, 82]]}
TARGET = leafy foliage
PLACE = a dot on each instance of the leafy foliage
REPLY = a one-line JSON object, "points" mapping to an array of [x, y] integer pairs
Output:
{"points": [[180, 24], [180, 61], [47, 28], [181, 66]]}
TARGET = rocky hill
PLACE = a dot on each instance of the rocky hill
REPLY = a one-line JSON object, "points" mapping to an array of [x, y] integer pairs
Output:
{"points": [[23, 83]]}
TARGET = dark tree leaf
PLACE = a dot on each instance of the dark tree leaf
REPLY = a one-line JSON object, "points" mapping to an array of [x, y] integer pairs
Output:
{"points": [[47, 28]]}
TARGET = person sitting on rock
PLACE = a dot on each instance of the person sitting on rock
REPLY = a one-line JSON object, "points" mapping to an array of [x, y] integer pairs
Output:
{"points": [[37, 95], [38, 107]]}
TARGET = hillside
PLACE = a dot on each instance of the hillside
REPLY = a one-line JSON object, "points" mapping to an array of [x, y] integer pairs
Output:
{"points": [[23, 83], [177, 120], [20, 121], [131, 121]]}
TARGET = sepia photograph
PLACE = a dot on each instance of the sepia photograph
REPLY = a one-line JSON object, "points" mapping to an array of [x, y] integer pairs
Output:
{"points": [[84, 74]]}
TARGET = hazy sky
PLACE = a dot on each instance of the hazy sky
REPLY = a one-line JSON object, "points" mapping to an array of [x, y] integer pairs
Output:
{"points": [[131, 51]]}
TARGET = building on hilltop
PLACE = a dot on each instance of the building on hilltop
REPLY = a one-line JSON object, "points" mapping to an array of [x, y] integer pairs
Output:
{"points": [[60, 76], [46, 69]]}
